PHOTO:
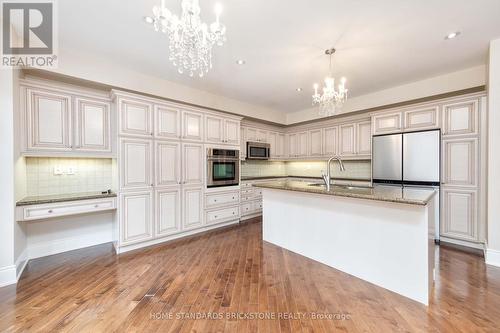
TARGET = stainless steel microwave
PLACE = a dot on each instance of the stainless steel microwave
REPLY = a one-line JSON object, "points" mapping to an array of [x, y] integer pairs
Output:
{"points": [[258, 151], [223, 167]]}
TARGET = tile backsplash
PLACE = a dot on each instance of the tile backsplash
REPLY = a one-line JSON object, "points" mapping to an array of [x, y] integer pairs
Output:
{"points": [[354, 169], [89, 175]]}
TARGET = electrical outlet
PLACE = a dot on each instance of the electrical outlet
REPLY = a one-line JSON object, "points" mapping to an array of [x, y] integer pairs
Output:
{"points": [[58, 170]]}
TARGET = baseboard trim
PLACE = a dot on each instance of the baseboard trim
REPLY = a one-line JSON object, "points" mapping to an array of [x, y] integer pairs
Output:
{"points": [[493, 257], [21, 263], [38, 250], [7, 275], [479, 246]]}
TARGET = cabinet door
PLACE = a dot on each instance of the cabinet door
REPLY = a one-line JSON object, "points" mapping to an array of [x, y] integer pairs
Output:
{"points": [[135, 117], [347, 145], [93, 125], [302, 144], [315, 142], [387, 123], [459, 214], [193, 164], [460, 162], [168, 163], [48, 120], [167, 122], [461, 118], [214, 129], [261, 136], [168, 211], [192, 123], [330, 139], [232, 132], [292, 145], [272, 139], [426, 118], [136, 163], [364, 138], [136, 221], [192, 211], [280, 145], [250, 134]]}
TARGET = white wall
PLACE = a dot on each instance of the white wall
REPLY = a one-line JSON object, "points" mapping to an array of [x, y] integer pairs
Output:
{"points": [[464, 79], [493, 252], [104, 71]]}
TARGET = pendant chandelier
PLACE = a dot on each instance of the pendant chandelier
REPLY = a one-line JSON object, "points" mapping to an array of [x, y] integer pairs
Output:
{"points": [[331, 100], [191, 40]]}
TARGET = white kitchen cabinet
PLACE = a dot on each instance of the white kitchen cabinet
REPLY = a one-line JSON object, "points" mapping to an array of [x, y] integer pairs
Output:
{"points": [[316, 142], [461, 118], [214, 129], [261, 135], [168, 163], [136, 163], [222, 215], [302, 144], [347, 140], [460, 162], [136, 220], [193, 164], [421, 118], [232, 132], [250, 134], [330, 141], [48, 118], [92, 125], [293, 145], [192, 211], [272, 139], [168, 211], [135, 117], [364, 138], [192, 126], [280, 145], [459, 214], [387, 123], [167, 122]]}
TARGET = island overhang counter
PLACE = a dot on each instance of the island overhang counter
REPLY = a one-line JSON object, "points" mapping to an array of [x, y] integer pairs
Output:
{"points": [[382, 234]]}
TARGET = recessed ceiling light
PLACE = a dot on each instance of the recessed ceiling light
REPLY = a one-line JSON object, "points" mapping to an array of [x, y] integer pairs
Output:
{"points": [[241, 62], [452, 35], [299, 89], [148, 19]]}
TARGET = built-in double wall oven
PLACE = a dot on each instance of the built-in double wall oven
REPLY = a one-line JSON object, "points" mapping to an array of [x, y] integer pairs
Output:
{"points": [[223, 167]]}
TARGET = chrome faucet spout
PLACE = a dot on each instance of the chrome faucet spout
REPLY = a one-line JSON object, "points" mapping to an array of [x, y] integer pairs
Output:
{"points": [[327, 178]]}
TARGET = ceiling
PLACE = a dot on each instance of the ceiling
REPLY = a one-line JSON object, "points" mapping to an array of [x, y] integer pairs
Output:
{"points": [[379, 44]]}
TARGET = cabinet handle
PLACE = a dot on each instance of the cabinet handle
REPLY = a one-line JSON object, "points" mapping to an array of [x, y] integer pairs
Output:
{"points": [[215, 200], [96, 206], [50, 211], [234, 213], [215, 216], [233, 198]]}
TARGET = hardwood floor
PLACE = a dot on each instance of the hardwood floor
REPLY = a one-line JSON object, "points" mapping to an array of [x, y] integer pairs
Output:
{"points": [[231, 271]]}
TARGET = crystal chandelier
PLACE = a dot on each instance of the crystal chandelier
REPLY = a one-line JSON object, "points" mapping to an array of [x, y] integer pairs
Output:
{"points": [[191, 40], [332, 99]]}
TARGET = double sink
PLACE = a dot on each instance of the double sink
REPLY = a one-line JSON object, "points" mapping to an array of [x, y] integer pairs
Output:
{"points": [[343, 187]]}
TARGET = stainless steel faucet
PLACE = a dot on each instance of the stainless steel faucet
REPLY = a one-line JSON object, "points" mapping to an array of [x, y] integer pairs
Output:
{"points": [[327, 177]]}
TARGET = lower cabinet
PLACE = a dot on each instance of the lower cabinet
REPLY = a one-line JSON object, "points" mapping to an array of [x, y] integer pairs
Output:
{"points": [[459, 214], [168, 211], [192, 208], [136, 217]]}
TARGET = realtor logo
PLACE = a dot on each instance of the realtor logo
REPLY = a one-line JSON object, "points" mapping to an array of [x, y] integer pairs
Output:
{"points": [[28, 34]]}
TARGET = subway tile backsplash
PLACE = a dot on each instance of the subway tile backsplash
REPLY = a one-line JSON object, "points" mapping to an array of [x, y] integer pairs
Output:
{"points": [[354, 169], [90, 175]]}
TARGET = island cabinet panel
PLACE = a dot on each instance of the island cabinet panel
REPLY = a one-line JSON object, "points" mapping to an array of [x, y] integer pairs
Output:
{"points": [[135, 117], [48, 117], [192, 211], [347, 142], [461, 162], [136, 218], [193, 164], [461, 118], [167, 122], [168, 163], [364, 138], [459, 214], [330, 141], [168, 211], [136, 163], [192, 126], [387, 123], [214, 129], [315, 142], [93, 125], [423, 118]]}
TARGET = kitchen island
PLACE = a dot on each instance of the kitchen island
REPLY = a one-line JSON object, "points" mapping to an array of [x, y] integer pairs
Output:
{"points": [[381, 234]]}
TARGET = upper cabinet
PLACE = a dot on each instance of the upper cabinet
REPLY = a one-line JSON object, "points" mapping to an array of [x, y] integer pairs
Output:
{"points": [[461, 118], [421, 119], [232, 131], [192, 126], [56, 121], [167, 121], [363, 138], [222, 130], [135, 117], [347, 144], [315, 142], [330, 141], [387, 123]]}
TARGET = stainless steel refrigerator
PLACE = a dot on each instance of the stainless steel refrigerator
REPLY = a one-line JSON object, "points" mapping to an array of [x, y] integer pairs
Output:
{"points": [[408, 159]]}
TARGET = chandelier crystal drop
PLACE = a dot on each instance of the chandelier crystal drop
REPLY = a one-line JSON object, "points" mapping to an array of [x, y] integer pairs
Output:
{"points": [[191, 40], [331, 100]]}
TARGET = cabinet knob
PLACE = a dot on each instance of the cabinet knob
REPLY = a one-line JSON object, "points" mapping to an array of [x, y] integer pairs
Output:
{"points": [[50, 210], [96, 206], [215, 216], [215, 200], [234, 213]]}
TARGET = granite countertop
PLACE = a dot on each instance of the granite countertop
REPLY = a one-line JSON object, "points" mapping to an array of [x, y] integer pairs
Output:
{"points": [[398, 194], [305, 177], [44, 199]]}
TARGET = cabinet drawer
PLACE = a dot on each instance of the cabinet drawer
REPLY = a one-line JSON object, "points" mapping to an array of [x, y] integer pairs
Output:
{"points": [[218, 199], [247, 208], [257, 206], [225, 214], [247, 192], [257, 192], [247, 198], [37, 212]]}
